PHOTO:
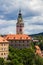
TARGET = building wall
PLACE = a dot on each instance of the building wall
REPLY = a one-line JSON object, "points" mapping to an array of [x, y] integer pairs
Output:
{"points": [[20, 43], [19, 28], [4, 50]]}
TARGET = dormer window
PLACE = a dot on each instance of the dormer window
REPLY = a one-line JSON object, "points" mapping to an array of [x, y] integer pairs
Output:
{"points": [[3, 40], [14, 37], [26, 37], [7, 38], [20, 37]]}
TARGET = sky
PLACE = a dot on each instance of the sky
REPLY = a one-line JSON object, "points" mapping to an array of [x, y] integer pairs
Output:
{"points": [[32, 12]]}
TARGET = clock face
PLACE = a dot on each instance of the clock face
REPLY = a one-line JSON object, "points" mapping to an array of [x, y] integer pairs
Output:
{"points": [[20, 19]]}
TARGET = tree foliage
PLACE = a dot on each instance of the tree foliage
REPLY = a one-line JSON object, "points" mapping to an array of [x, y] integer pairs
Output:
{"points": [[24, 56], [1, 61]]}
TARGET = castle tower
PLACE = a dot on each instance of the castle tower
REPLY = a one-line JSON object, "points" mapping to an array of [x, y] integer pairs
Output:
{"points": [[19, 24]]}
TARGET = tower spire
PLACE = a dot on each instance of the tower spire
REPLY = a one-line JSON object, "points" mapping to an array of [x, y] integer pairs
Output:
{"points": [[20, 16], [19, 10], [20, 24]]}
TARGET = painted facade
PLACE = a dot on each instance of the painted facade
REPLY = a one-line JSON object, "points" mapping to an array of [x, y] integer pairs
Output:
{"points": [[4, 48]]}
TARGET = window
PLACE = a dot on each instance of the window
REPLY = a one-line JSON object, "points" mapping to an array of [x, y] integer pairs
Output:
{"points": [[19, 44], [1, 44], [4, 53], [4, 49], [17, 41], [27, 44], [27, 41], [20, 29], [23, 41], [11, 41], [1, 48], [15, 44], [1, 53], [5, 57], [4, 44], [23, 44]]}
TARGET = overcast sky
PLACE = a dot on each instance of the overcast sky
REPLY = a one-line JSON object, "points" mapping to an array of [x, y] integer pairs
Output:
{"points": [[32, 12]]}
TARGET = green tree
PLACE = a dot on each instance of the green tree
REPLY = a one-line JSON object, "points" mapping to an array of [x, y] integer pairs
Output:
{"points": [[1, 61], [24, 56], [38, 60]]}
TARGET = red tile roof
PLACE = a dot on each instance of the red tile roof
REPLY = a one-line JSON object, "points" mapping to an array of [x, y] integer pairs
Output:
{"points": [[37, 47], [38, 50], [18, 37], [2, 39]]}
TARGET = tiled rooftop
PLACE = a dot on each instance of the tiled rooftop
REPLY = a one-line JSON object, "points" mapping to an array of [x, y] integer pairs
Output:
{"points": [[2, 39], [18, 37]]}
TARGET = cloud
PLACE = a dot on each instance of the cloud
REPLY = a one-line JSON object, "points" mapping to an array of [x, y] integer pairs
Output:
{"points": [[32, 11], [9, 9], [36, 20], [7, 26], [30, 25], [33, 25]]}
